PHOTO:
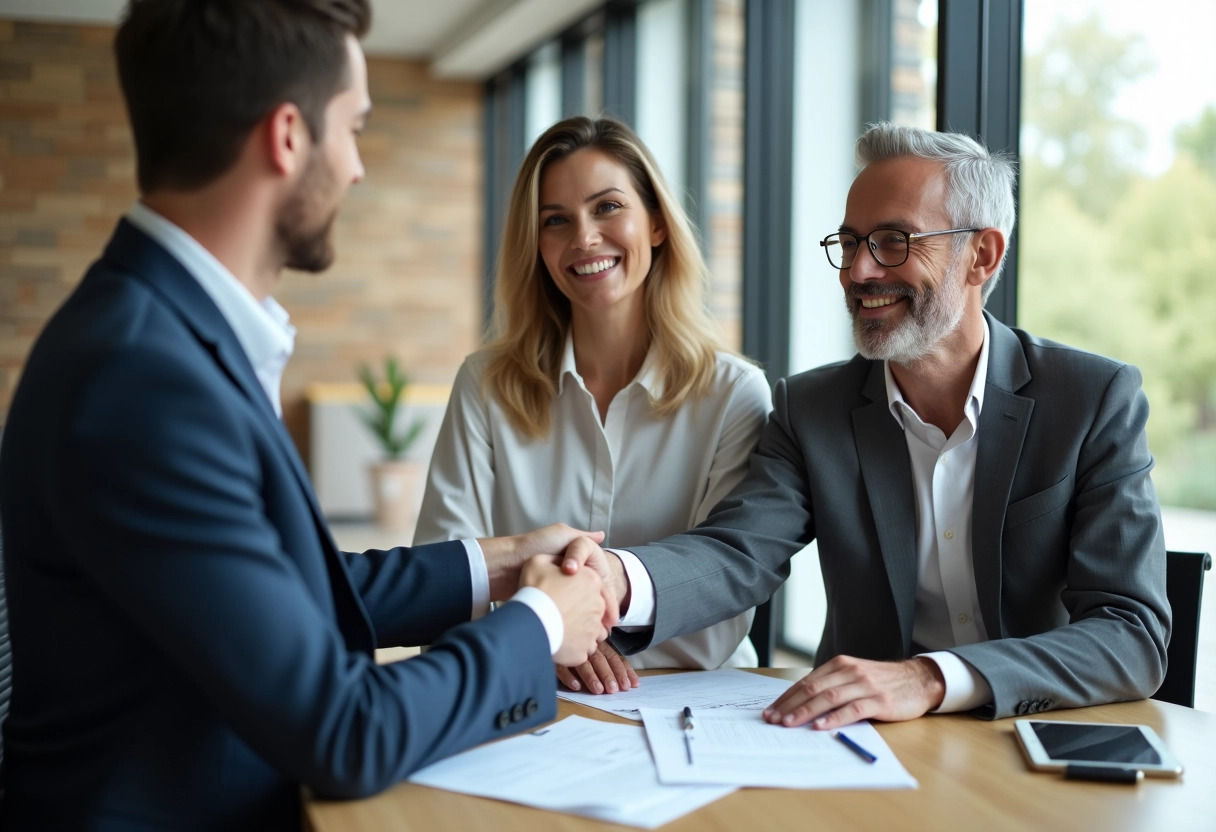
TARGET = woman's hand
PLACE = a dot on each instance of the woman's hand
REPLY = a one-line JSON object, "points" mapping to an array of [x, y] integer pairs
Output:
{"points": [[605, 671]]}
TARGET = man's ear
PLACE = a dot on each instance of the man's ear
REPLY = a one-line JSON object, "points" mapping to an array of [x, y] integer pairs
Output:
{"points": [[988, 247], [287, 139]]}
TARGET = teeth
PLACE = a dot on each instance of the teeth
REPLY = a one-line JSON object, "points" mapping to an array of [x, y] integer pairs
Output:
{"points": [[595, 267], [874, 303]]}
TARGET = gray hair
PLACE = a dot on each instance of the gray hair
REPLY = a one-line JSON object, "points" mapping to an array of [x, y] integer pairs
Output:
{"points": [[979, 183]]}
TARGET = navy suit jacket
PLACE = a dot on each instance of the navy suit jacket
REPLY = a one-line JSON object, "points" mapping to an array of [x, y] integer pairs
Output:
{"points": [[189, 646]]}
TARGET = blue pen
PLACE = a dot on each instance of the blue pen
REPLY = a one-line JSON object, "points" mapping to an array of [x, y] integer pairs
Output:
{"points": [[687, 716], [854, 747]]}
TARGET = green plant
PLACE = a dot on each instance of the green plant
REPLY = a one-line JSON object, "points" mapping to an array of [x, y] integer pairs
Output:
{"points": [[387, 394]]}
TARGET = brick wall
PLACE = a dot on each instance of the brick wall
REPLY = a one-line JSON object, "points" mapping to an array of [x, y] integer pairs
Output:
{"points": [[407, 276], [724, 219]]}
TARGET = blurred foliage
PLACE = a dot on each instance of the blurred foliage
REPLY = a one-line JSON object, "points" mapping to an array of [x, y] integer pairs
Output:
{"points": [[1117, 262], [1071, 127], [1199, 141]]}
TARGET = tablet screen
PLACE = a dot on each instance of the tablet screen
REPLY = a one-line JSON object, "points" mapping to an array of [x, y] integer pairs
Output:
{"points": [[1095, 743]]}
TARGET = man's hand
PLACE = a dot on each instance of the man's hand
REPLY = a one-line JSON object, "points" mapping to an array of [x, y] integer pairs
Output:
{"points": [[579, 599], [847, 689], [585, 551], [607, 670], [505, 555]]}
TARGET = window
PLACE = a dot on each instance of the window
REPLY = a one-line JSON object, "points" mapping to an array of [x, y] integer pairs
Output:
{"points": [[543, 94], [1118, 224], [662, 87]]}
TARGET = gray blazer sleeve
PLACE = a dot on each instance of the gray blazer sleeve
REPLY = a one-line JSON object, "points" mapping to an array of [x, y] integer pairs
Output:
{"points": [[738, 557]]}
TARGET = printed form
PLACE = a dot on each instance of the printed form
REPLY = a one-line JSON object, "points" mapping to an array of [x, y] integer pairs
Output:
{"points": [[737, 747], [581, 766], [702, 690]]}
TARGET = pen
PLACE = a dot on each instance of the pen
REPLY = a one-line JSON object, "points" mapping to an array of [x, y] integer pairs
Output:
{"points": [[1130, 776], [688, 732], [854, 747]]}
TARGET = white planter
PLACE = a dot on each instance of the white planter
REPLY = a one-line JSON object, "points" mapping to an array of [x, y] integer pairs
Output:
{"points": [[397, 490]]}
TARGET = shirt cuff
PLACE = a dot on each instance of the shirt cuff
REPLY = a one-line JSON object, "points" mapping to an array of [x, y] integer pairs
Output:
{"points": [[965, 687], [640, 615], [479, 578], [548, 613]]}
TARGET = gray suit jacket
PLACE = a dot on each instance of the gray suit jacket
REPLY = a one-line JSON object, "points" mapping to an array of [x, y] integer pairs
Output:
{"points": [[1066, 533]]}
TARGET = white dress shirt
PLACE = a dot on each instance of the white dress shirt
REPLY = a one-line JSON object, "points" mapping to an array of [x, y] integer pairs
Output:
{"points": [[262, 327], [947, 603], [943, 483], [267, 338], [632, 475]]}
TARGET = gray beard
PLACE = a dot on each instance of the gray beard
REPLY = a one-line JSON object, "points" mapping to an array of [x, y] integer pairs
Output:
{"points": [[930, 318]]}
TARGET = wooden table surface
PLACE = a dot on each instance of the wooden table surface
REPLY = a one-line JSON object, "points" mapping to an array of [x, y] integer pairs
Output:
{"points": [[971, 772]]}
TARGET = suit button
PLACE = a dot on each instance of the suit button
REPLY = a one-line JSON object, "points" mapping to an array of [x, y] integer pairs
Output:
{"points": [[1023, 708], [517, 713], [504, 719], [530, 707]]}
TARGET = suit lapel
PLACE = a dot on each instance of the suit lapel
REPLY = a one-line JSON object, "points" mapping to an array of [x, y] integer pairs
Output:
{"points": [[886, 471], [1002, 431], [140, 256]]}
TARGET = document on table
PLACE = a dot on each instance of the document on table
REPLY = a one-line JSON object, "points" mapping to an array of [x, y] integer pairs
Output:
{"points": [[739, 748], [580, 766], [702, 690]]}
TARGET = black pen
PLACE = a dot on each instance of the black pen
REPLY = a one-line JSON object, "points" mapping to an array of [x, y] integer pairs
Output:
{"points": [[854, 747], [1104, 774], [688, 732]]}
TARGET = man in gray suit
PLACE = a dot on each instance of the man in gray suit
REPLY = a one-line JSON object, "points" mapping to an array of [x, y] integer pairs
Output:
{"points": [[989, 536]]}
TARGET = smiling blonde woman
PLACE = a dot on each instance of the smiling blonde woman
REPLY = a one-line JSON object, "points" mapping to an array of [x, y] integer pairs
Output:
{"points": [[604, 398]]}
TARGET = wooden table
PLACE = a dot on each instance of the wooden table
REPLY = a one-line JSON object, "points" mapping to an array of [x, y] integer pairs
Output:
{"points": [[971, 772]]}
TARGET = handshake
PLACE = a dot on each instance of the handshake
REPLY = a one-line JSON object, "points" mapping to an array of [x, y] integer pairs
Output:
{"points": [[585, 582]]}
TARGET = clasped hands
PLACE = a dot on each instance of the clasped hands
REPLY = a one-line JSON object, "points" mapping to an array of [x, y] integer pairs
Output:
{"points": [[841, 691], [588, 605]]}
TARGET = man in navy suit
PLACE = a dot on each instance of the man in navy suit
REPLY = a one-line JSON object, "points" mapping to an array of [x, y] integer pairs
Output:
{"points": [[189, 647]]}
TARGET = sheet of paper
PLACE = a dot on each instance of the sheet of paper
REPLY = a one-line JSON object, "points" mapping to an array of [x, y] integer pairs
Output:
{"points": [[580, 766], [701, 690], [739, 748]]}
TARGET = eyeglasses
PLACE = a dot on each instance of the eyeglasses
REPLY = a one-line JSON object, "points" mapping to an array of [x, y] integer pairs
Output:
{"points": [[888, 245]]}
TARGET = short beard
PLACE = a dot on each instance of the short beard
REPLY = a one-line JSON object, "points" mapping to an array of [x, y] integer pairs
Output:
{"points": [[308, 246], [931, 316]]}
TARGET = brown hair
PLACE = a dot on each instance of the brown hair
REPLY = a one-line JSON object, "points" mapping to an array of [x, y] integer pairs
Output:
{"points": [[532, 318], [198, 75]]}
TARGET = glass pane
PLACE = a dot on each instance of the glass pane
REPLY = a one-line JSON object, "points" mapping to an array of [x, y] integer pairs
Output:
{"points": [[593, 77], [914, 63], [543, 98], [1118, 226], [662, 86], [1119, 209]]}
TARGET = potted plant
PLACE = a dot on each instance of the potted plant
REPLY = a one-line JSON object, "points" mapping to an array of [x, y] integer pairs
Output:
{"points": [[395, 480]]}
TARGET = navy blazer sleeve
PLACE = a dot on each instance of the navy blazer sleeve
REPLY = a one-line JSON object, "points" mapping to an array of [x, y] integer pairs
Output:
{"points": [[171, 501]]}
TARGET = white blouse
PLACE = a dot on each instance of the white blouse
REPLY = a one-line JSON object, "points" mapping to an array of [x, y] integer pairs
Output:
{"points": [[634, 476]]}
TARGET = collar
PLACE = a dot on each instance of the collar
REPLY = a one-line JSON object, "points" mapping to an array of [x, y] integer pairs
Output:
{"points": [[975, 396], [262, 328], [647, 377]]}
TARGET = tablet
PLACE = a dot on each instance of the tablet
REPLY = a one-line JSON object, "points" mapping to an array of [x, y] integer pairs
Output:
{"points": [[1052, 745]]}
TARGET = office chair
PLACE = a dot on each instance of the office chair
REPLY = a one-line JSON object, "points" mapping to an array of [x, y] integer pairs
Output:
{"points": [[1184, 589], [763, 634], [6, 659]]}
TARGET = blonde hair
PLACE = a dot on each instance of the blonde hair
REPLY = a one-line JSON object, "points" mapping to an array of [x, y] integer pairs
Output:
{"points": [[532, 317]]}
